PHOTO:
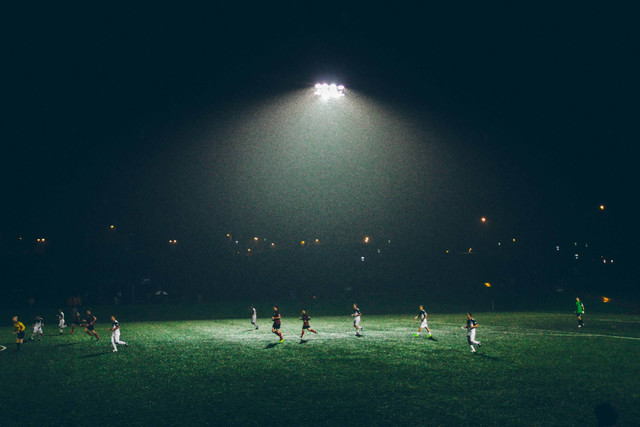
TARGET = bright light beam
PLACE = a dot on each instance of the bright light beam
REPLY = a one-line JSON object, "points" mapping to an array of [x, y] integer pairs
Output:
{"points": [[328, 91]]}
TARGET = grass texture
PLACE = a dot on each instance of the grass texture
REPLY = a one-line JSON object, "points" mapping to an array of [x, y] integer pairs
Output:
{"points": [[532, 369]]}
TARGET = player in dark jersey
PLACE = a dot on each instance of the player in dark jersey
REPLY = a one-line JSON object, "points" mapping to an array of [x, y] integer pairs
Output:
{"points": [[471, 327], [90, 327], [76, 320], [305, 323], [277, 321], [422, 315], [18, 329]]}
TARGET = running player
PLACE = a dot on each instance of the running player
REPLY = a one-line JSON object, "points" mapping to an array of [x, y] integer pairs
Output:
{"points": [[305, 323], [38, 323], [471, 327], [422, 315], [356, 319], [254, 316], [76, 320], [115, 334], [18, 329], [90, 326], [277, 321], [579, 312], [61, 323]]}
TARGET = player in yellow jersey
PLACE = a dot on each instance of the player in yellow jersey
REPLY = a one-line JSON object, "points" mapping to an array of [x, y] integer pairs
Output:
{"points": [[18, 329]]}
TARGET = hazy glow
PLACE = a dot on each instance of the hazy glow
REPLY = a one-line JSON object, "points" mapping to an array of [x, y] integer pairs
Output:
{"points": [[487, 284], [605, 299], [327, 91]]}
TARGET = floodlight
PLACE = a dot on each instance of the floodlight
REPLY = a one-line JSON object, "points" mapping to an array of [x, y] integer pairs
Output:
{"points": [[327, 91]]}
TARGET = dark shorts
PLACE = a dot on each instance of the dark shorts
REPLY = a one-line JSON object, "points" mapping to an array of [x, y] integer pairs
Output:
{"points": [[305, 326], [276, 326], [21, 335], [91, 327], [76, 322], [579, 314]]}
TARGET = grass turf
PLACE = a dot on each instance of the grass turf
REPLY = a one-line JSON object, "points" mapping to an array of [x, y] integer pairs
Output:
{"points": [[533, 369]]}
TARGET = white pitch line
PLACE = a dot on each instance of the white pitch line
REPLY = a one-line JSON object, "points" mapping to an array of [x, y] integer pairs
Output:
{"points": [[2, 348], [497, 330], [570, 334], [564, 334]]}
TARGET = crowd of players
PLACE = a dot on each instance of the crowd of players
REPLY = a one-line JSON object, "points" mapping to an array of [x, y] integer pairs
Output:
{"points": [[89, 325]]}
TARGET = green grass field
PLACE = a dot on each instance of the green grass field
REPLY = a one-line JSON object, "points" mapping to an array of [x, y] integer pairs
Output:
{"points": [[533, 369]]}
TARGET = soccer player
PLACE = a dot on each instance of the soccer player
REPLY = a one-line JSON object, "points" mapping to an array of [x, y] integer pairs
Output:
{"points": [[471, 327], [90, 327], [356, 319], [18, 329], [579, 312], [115, 334], [277, 321], [422, 315], [38, 323], [61, 323], [254, 316], [305, 323], [76, 320]]}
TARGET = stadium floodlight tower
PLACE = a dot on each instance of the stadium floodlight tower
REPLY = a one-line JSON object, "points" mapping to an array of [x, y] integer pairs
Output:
{"points": [[328, 91]]}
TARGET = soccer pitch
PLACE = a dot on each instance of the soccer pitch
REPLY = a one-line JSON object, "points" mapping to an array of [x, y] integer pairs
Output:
{"points": [[532, 369]]}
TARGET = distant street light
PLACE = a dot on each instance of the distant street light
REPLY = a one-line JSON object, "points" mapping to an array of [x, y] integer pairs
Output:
{"points": [[327, 91]]}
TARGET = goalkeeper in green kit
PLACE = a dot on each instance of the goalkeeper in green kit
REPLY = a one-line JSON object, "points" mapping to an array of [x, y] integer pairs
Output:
{"points": [[579, 312]]}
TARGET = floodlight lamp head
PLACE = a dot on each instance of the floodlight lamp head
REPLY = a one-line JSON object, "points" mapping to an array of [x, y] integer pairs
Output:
{"points": [[328, 91]]}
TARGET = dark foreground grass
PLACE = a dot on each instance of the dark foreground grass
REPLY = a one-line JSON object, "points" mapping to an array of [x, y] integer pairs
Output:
{"points": [[533, 369]]}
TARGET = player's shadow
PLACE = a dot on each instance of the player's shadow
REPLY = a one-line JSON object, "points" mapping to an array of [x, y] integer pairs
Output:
{"points": [[89, 356], [432, 339], [303, 341], [67, 344], [271, 345], [486, 356]]}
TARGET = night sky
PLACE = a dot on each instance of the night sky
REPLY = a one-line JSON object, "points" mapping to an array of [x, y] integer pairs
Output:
{"points": [[172, 121]]}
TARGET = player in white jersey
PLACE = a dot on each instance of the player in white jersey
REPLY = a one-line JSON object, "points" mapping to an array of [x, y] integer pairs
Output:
{"points": [[356, 319], [254, 316], [61, 322], [38, 323], [422, 315], [471, 327], [115, 334]]}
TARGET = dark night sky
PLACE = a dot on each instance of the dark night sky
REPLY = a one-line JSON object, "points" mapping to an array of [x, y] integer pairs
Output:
{"points": [[536, 105]]}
